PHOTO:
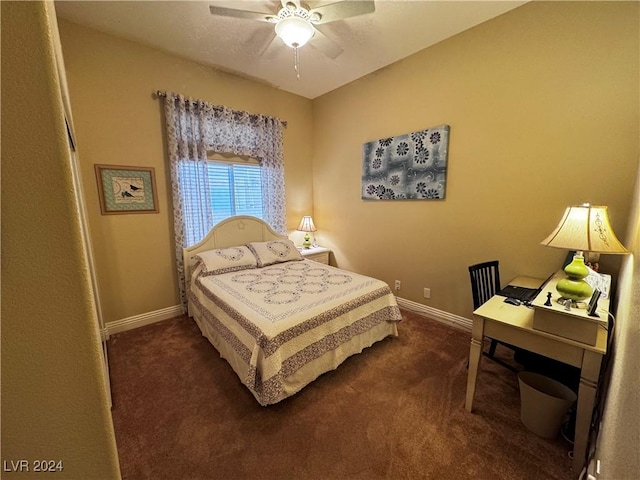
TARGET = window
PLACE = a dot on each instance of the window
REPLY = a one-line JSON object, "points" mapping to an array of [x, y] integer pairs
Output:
{"points": [[235, 189]]}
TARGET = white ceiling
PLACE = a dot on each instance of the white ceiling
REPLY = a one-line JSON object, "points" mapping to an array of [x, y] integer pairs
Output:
{"points": [[397, 29]]}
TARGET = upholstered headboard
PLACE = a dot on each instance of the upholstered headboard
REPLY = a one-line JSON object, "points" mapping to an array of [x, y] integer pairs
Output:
{"points": [[233, 231]]}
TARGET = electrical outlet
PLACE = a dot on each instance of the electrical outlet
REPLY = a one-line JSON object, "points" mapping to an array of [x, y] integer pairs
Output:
{"points": [[427, 293], [397, 284]]}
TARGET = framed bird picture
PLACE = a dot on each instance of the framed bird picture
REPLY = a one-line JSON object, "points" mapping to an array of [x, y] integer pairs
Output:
{"points": [[124, 189]]}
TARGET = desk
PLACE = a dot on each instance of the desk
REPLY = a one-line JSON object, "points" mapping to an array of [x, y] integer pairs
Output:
{"points": [[514, 325]]}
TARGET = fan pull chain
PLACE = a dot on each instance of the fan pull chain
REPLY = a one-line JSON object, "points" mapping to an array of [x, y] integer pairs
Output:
{"points": [[296, 63]]}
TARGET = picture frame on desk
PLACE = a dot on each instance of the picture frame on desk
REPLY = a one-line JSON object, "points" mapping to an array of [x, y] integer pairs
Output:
{"points": [[593, 303]]}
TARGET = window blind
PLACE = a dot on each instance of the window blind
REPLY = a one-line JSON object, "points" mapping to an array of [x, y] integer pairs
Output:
{"points": [[234, 189]]}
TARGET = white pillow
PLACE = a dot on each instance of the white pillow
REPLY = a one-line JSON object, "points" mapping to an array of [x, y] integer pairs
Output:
{"points": [[275, 251], [223, 260]]}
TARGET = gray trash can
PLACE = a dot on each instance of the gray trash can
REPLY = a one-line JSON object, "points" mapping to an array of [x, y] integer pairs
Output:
{"points": [[543, 403]]}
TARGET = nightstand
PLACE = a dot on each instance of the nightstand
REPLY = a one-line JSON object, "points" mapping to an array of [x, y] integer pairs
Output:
{"points": [[317, 254]]}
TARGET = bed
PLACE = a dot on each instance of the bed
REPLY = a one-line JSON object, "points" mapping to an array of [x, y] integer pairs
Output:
{"points": [[278, 319]]}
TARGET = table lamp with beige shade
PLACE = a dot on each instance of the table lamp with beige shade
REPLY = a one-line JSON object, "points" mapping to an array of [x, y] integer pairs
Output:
{"points": [[583, 228], [306, 225]]}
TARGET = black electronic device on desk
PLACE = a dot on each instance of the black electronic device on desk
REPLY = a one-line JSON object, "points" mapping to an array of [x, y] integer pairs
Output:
{"points": [[513, 301], [517, 295], [521, 294]]}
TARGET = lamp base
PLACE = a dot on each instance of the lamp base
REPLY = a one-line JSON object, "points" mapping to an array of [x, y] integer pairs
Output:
{"points": [[307, 241], [574, 287], [576, 290]]}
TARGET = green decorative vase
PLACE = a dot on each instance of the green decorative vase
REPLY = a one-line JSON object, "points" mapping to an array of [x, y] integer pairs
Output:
{"points": [[307, 241], [574, 287]]}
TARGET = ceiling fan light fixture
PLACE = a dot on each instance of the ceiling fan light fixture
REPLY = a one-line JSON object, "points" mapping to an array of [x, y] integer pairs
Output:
{"points": [[294, 31]]}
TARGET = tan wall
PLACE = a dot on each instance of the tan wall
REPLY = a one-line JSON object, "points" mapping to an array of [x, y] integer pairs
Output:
{"points": [[543, 104], [119, 122], [54, 401]]}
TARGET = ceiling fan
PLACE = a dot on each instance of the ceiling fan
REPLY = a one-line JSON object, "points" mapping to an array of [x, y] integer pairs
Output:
{"points": [[295, 23]]}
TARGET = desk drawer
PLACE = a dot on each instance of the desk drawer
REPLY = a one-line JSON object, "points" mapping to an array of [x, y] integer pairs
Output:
{"points": [[322, 257], [536, 343], [573, 328]]}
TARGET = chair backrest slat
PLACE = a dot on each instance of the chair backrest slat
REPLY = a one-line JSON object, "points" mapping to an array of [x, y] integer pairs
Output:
{"points": [[485, 281]]}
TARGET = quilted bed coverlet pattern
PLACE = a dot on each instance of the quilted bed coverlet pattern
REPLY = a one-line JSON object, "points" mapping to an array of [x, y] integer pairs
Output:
{"points": [[279, 318]]}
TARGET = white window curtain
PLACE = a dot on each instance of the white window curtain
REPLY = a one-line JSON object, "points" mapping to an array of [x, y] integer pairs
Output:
{"points": [[195, 128]]}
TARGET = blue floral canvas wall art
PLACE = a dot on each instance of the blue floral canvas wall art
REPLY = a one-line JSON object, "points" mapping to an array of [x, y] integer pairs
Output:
{"points": [[406, 167]]}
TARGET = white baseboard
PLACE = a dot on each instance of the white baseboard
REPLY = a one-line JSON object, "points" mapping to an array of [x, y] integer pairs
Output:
{"points": [[143, 319], [439, 315]]}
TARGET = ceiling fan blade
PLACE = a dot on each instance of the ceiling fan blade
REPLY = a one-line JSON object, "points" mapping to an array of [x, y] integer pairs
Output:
{"points": [[244, 14], [262, 39], [330, 48], [345, 9]]}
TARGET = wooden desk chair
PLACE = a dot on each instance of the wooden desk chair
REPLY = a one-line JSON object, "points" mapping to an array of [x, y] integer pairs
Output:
{"points": [[485, 283]]}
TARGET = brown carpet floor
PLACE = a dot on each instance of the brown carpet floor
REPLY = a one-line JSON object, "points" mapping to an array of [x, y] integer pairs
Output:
{"points": [[395, 411]]}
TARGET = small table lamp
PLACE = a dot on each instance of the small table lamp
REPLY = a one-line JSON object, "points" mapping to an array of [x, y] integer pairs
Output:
{"points": [[306, 225], [583, 228]]}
